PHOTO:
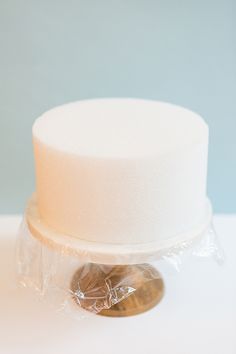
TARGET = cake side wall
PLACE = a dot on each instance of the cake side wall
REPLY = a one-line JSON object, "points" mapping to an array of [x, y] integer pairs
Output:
{"points": [[122, 200]]}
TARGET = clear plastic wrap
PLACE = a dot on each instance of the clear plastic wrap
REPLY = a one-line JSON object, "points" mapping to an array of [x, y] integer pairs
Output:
{"points": [[76, 285]]}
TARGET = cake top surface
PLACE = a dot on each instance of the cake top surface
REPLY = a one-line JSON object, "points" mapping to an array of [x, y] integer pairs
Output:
{"points": [[119, 128]]}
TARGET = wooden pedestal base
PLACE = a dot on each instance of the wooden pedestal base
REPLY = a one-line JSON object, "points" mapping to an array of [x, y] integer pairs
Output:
{"points": [[91, 282]]}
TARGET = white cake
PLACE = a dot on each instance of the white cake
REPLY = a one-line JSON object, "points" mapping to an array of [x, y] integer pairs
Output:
{"points": [[122, 171]]}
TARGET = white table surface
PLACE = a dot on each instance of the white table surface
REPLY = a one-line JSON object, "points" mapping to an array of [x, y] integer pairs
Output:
{"points": [[197, 314]]}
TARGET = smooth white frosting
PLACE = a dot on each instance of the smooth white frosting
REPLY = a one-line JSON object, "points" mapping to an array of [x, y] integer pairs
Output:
{"points": [[121, 170]]}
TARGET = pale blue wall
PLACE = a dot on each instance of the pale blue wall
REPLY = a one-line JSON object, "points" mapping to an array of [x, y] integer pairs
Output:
{"points": [[53, 52]]}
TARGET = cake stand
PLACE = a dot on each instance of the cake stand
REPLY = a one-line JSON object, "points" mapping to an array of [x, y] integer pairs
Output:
{"points": [[116, 267]]}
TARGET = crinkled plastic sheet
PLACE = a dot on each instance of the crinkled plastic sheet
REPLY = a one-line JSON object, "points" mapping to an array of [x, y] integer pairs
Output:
{"points": [[58, 276]]}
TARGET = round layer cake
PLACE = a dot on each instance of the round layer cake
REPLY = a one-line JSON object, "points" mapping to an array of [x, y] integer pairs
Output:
{"points": [[121, 171]]}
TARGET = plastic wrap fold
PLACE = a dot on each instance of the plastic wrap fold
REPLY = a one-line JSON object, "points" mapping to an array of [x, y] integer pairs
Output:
{"points": [[76, 286]]}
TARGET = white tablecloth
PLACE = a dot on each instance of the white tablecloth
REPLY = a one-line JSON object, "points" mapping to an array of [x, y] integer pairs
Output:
{"points": [[197, 314]]}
